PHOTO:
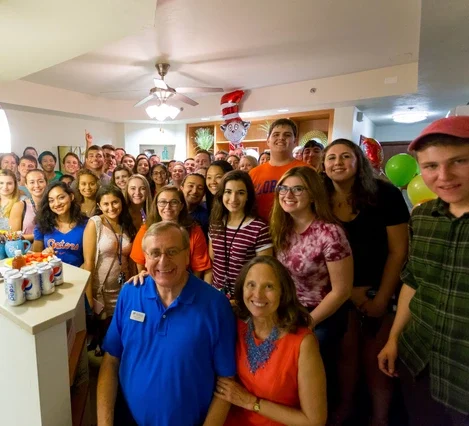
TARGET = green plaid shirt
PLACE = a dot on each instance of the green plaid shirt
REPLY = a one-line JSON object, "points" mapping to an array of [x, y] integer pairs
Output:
{"points": [[438, 333]]}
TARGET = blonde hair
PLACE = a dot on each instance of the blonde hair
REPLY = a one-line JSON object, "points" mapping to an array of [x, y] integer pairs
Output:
{"points": [[281, 223], [147, 204], [15, 195]]}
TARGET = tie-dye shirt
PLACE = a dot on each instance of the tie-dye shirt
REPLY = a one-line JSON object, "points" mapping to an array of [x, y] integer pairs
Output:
{"points": [[306, 255]]}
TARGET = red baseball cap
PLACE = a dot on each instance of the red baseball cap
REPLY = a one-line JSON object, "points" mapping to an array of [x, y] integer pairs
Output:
{"points": [[452, 126]]}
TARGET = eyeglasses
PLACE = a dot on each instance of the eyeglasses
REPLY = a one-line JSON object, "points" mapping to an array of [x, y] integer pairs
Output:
{"points": [[172, 203], [162, 173], [295, 190], [169, 253]]}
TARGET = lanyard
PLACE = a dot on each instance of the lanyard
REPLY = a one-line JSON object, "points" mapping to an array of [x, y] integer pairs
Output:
{"points": [[143, 215], [228, 250], [119, 241], [33, 204]]}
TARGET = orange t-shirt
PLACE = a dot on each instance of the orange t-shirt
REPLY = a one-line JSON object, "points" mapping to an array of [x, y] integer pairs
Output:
{"points": [[199, 258], [276, 381], [265, 178]]}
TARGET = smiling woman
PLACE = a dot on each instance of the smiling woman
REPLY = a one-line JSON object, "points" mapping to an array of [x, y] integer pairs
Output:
{"points": [[107, 243], [236, 233], [60, 225]]}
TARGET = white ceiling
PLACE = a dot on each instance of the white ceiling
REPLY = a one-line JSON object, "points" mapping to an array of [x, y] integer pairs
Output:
{"points": [[247, 44], [263, 43]]}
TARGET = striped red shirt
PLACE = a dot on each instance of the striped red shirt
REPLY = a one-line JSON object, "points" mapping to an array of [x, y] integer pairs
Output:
{"points": [[252, 238]]}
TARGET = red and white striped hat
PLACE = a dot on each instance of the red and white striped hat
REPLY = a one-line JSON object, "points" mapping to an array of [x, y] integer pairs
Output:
{"points": [[229, 104]]}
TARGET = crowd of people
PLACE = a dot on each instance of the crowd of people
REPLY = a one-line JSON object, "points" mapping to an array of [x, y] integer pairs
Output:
{"points": [[278, 290]]}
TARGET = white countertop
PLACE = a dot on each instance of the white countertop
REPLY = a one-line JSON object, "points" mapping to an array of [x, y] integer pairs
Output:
{"points": [[38, 315]]}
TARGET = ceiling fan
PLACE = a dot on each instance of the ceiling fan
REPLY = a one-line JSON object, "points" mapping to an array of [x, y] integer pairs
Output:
{"points": [[163, 92]]}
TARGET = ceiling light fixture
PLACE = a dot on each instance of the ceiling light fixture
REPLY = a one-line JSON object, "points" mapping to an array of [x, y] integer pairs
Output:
{"points": [[282, 110], [162, 111], [205, 118], [410, 116]]}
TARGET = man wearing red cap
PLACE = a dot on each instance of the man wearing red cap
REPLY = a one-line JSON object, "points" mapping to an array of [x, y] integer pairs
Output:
{"points": [[430, 334], [281, 141]]}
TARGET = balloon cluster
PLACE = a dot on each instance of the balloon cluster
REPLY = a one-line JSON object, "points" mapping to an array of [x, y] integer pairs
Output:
{"points": [[401, 170]]}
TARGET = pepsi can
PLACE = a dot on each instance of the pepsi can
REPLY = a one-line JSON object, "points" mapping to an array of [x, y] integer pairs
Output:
{"points": [[46, 276], [15, 285], [6, 274], [33, 287], [57, 268]]}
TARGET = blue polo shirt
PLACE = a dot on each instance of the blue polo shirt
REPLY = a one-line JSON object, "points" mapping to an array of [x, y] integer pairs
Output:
{"points": [[169, 362]]}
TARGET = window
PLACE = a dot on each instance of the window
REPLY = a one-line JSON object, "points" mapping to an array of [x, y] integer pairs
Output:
{"points": [[5, 137]]}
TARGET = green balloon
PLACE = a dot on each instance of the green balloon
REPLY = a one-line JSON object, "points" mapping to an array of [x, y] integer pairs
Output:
{"points": [[400, 169]]}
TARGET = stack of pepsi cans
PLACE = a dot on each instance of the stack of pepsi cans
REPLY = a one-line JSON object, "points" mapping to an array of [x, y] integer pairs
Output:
{"points": [[32, 282]]}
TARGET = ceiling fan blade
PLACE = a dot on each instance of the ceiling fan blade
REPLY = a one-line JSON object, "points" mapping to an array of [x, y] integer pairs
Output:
{"points": [[199, 89], [185, 99], [160, 84], [125, 91], [144, 100]]}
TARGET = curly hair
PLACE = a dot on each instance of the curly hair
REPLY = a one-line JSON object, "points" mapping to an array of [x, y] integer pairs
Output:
{"points": [[85, 172], [365, 188], [290, 313], [184, 219], [46, 219], [125, 220], [219, 212], [15, 196], [281, 223]]}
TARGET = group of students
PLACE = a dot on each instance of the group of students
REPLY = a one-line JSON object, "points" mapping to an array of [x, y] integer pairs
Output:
{"points": [[339, 232]]}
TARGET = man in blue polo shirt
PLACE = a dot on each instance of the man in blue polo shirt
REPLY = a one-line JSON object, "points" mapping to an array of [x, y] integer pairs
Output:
{"points": [[168, 342]]}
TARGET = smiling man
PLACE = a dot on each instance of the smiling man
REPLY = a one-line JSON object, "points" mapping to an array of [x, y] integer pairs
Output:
{"points": [[94, 160], [430, 333], [169, 341], [281, 140]]}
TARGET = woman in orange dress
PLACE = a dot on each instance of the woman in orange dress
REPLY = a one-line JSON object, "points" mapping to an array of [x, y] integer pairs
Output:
{"points": [[281, 377]]}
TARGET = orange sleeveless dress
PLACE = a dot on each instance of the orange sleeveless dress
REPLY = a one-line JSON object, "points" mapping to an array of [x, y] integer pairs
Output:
{"points": [[276, 381]]}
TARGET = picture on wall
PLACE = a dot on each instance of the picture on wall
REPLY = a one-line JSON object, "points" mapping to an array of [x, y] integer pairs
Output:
{"points": [[165, 152], [64, 150]]}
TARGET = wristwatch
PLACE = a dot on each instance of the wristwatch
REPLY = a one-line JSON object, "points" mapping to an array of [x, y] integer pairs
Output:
{"points": [[257, 405]]}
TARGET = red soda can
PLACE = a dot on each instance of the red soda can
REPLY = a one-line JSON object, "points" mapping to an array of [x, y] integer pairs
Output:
{"points": [[47, 279], [33, 287], [57, 268], [15, 285]]}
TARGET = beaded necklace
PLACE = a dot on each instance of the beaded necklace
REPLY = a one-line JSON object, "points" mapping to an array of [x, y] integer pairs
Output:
{"points": [[258, 355]]}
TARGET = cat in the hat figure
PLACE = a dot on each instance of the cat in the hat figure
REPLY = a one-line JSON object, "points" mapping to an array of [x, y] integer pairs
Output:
{"points": [[234, 129]]}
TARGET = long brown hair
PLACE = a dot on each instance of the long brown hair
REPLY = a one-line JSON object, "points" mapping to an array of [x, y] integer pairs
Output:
{"points": [[290, 313], [219, 212], [281, 223], [184, 219], [85, 172], [365, 187]]}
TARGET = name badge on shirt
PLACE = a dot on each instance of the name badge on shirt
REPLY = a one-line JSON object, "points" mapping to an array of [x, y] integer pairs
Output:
{"points": [[137, 316]]}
